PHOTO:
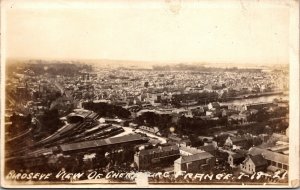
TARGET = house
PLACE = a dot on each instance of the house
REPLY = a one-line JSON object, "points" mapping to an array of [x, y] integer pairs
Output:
{"points": [[203, 161], [277, 160], [148, 157], [254, 164]]}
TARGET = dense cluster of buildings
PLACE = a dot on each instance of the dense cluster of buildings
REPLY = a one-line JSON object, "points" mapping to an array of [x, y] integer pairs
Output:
{"points": [[206, 158], [218, 100]]}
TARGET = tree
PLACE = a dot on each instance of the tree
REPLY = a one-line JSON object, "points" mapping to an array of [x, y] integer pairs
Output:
{"points": [[50, 121], [146, 84], [19, 122], [107, 110]]}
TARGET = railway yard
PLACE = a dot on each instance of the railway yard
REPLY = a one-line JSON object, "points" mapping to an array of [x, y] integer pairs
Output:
{"points": [[87, 134]]}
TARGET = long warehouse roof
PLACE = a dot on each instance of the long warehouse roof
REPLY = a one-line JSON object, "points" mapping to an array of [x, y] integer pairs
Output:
{"points": [[101, 142]]}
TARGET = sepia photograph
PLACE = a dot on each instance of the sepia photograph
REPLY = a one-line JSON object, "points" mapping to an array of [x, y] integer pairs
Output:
{"points": [[150, 94]]}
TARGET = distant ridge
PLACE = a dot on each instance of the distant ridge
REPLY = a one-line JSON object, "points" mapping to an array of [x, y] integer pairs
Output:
{"points": [[114, 63]]}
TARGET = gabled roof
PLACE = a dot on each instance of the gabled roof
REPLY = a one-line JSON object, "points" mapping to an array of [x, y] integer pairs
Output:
{"points": [[259, 160], [269, 155]]}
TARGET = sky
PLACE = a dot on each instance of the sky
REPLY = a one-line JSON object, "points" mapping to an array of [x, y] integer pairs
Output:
{"points": [[160, 31]]}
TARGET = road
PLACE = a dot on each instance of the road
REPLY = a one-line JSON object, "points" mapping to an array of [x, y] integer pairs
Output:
{"points": [[163, 140], [127, 131]]}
